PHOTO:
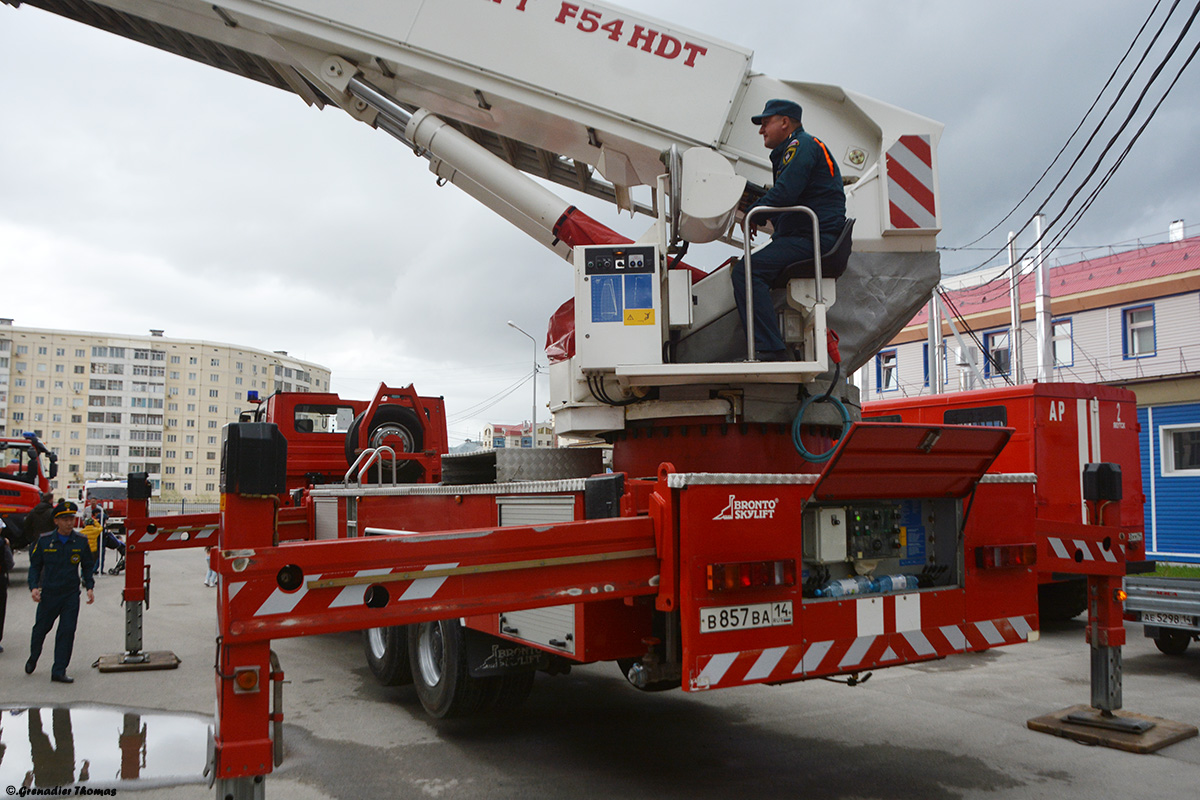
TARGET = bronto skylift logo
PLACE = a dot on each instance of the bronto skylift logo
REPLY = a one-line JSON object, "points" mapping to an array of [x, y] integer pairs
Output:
{"points": [[748, 509]]}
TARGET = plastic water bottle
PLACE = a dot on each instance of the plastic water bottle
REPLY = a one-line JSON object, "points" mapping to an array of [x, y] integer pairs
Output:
{"points": [[895, 583], [847, 586]]}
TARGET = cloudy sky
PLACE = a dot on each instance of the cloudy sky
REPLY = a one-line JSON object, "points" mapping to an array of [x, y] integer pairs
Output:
{"points": [[140, 190]]}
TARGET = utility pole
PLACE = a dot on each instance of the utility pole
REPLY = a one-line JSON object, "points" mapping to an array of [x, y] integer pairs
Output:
{"points": [[934, 347], [1014, 336], [1045, 368], [533, 415]]}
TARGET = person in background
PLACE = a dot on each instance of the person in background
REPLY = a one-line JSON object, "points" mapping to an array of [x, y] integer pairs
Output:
{"points": [[58, 562], [6, 566], [93, 531], [210, 579], [41, 518]]}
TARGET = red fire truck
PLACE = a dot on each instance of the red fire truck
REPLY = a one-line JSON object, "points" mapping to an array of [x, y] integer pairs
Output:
{"points": [[1059, 429], [735, 543], [26, 469]]}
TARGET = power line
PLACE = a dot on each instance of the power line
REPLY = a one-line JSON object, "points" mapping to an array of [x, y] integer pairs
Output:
{"points": [[1077, 214], [1078, 127], [1125, 123], [1128, 148], [484, 405]]}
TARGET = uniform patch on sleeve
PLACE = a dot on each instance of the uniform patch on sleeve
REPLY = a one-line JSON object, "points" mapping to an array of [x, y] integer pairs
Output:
{"points": [[791, 151]]}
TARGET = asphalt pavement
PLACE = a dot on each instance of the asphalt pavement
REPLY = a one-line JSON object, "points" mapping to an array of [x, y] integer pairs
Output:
{"points": [[946, 729]]}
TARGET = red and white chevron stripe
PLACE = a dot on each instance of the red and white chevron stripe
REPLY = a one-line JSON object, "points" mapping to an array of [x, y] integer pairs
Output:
{"points": [[277, 601], [1087, 551], [873, 643], [181, 534], [912, 202]]}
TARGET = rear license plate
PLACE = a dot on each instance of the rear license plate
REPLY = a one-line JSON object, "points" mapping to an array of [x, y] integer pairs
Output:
{"points": [[1177, 620], [737, 618]]}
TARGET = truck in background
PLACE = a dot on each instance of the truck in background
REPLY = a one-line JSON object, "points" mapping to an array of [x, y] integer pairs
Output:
{"points": [[1060, 427], [1168, 608], [109, 495], [26, 469], [326, 437]]}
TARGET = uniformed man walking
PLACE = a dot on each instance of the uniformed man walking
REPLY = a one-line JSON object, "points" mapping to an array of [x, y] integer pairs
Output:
{"points": [[58, 561], [805, 174]]}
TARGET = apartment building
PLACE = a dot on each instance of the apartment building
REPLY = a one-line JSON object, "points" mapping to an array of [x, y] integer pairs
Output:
{"points": [[109, 404]]}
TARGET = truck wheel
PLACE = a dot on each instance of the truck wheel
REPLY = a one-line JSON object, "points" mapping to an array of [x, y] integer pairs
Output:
{"points": [[1059, 602], [437, 654], [387, 655], [397, 427], [1173, 643]]}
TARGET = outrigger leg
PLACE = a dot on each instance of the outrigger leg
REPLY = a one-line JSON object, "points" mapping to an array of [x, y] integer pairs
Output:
{"points": [[1097, 550]]}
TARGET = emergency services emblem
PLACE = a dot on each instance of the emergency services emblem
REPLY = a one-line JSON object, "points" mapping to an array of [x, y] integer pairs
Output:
{"points": [[791, 151], [74, 558]]}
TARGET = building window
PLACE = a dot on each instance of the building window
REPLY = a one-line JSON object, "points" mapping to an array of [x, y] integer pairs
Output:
{"points": [[887, 376], [1137, 332], [999, 355], [1062, 341], [925, 358], [1180, 450]]}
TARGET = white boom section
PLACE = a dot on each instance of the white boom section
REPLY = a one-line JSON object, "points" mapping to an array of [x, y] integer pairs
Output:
{"points": [[603, 100], [569, 91]]}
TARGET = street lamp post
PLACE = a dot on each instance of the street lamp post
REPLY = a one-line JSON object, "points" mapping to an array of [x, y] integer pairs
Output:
{"points": [[533, 416]]}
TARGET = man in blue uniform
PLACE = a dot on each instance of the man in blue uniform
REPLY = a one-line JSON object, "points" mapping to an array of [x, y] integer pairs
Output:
{"points": [[805, 174], [58, 561]]}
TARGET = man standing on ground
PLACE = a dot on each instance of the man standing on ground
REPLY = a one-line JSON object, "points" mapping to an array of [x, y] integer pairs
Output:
{"points": [[58, 561], [805, 174], [6, 565]]}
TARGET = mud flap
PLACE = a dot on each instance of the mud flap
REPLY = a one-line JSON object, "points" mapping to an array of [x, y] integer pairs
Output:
{"points": [[489, 655]]}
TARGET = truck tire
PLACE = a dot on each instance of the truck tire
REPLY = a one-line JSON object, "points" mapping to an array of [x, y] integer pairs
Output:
{"points": [[437, 655], [1059, 602], [1172, 642], [387, 655], [396, 426]]}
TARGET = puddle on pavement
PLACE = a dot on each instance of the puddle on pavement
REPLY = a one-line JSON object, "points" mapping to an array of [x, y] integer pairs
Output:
{"points": [[99, 747]]}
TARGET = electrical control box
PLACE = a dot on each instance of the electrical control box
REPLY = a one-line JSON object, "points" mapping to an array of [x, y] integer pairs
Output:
{"points": [[618, 306], [825, 539], [877, 531], [918, 537]]}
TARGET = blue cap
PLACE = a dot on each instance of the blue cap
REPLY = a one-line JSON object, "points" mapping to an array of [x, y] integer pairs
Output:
{"points": [[777, 107]]}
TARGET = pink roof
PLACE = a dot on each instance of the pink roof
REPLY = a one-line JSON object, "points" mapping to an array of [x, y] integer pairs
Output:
{"points": [[1131, 266]]}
